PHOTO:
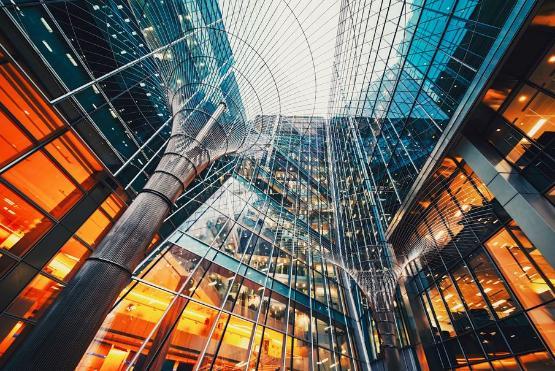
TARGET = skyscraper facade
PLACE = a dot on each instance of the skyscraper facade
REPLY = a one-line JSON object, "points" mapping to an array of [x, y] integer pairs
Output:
{"points": [[410, 228]]}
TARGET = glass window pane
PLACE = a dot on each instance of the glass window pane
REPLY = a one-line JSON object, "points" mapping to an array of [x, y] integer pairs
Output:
{"points": [[12, 333], [94, 228], [505, 364], [248, 300], [75, 159], [271, 350], [532, 112], [214, 342], [12, 139], [233, 353], [189, 336], [539, 361], [520, 335], [112, 205], [172, 269], [522, 276], [32, 302], [68, 260], [26, 104], [544, 319], [325, 360], [125, 329], [214, 286], [454, 304], [301, 355], [20, 223], [477, 307], [492, 285], [44, 183], [277, 312], [302, 323], [444, 321]]}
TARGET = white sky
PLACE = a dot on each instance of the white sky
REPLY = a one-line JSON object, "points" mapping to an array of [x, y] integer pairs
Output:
{"points": [[284, 53]]}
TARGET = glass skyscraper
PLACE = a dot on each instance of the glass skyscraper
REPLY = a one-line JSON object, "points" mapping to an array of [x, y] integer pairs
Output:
{"points": [[409, 227]]}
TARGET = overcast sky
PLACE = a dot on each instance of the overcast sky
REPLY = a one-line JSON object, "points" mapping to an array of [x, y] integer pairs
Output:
{"points": [[284, 53]]}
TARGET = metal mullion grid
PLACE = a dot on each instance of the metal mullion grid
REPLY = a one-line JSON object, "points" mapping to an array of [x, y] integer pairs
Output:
{"points": [[323, 274], [88, 72], [61, 83], [362, 353], [294, 238], [439, 343], [221, 308], [264, 289], [420, 85], [391, 96], [486, 299], [180, 292]]}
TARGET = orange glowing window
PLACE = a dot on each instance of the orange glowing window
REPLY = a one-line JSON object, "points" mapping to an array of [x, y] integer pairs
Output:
{"points": [[112, 205], [125, 329], [544, 319], [26, 104], [270, 352], [12, 139], [519, 271], [235, 344], [94, 228], [42, 181], [20, 224], [12, 333], [75, 159], [68, 260], [35, 298], [537, 361]]}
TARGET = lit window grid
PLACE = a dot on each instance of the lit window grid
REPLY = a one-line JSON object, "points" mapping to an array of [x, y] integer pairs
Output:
{"points": [[443, 270], [282, 217]]}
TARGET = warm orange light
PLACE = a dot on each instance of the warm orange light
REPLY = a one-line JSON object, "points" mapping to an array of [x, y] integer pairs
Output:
{"points": [[551, 59], [522, 98]]}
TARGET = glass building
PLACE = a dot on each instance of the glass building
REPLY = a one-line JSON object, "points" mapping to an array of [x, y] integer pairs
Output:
{"points": [[409, 228]]}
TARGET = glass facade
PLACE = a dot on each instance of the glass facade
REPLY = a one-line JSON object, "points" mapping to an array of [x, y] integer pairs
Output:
{"points": [[245, 275], [242, 282], [404, 69], [56, 205], [487, 293]]}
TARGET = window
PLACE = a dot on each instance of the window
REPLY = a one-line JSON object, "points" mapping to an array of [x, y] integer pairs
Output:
{"points": [[126, 328], [270, 351], [13, 333], [26, 104], [477, 307], [42, 181], [35, 298], [75, 159], [544, 319], [214, 286], [172, 269], [20, 224], [112, 206], [12, 139], [94, 228], [492, 285], [235, 344], [531, 111], [519, 271], [446, 328], [537, 361], [68, 260]]}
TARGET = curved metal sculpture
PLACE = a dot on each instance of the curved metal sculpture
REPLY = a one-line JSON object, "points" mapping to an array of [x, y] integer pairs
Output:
{"points": [[197, 139]]}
